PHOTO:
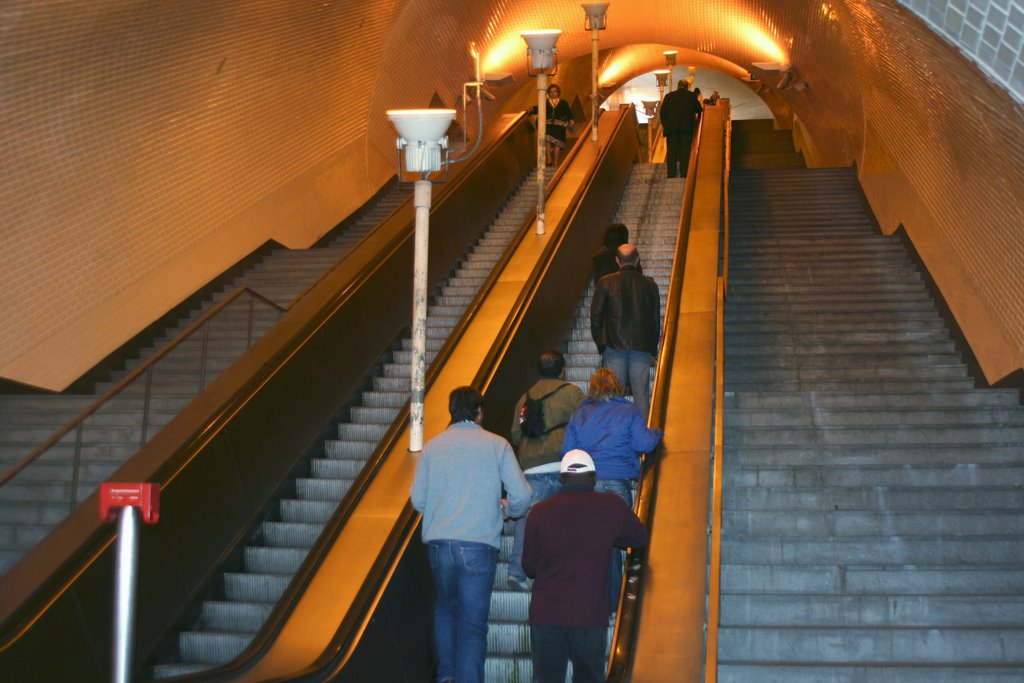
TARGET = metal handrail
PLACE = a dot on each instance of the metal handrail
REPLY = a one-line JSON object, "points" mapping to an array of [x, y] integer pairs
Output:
{"points": [[715, 558], [78, 422], [715, 555]]}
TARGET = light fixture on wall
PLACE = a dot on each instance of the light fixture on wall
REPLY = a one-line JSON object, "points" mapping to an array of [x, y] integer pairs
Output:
{"points": [[541, 61], [422, 152], [597, 17]]}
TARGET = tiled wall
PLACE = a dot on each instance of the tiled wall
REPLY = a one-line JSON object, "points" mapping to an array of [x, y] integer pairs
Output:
{"points": [[146, 147], [989, 32], [939, 150]]}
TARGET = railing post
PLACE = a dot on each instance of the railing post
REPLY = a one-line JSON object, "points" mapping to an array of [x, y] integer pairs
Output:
{"points": [[202, 356], [76, 466], [145, 405], [127, 504], [252, 321]]}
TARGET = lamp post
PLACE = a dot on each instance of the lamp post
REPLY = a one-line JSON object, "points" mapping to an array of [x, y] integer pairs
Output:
{"points": [[541, 62], [662, 76], [596, 18], [423, 145], [670, 60]]}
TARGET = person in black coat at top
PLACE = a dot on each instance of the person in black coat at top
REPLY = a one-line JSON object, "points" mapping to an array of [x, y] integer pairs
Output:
{"points": [[558, 121], [604, 262], [615, 235], [679, 113]]}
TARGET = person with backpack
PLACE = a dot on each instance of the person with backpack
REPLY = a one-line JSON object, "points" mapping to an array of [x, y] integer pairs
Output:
{"points": [[538, 428]]}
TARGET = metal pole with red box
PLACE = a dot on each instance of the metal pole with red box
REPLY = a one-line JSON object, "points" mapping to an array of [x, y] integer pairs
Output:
{"points": [[126, 503]]}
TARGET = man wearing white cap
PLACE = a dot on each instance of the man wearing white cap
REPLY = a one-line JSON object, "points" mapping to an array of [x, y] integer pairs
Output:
{"points": [[567, 551]]}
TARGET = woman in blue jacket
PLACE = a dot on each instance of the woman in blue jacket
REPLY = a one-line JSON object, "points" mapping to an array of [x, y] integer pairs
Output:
{"points": [[613, 432]]}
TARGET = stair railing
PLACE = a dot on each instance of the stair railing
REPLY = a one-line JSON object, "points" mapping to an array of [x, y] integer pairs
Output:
{"points": [[143, 372], [715, 530]]}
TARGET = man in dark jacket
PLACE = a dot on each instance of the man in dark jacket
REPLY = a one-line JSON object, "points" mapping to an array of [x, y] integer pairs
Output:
{"points": [[679, 112], [569, 538], [540, 454], [625, 322]]}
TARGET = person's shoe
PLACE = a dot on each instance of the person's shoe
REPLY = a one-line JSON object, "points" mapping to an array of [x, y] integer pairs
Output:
{"points": [[517, 584]]}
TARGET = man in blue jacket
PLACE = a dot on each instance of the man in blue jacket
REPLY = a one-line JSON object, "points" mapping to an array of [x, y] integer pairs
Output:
{"points": [[457, 487]]}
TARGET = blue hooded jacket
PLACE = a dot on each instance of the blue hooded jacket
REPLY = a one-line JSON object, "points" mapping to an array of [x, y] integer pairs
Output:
{"points": [[614, 433]]}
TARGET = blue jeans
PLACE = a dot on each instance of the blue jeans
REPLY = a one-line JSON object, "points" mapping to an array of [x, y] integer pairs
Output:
{"points": [[623, 488], [544, 486], [463, 577], [632, 368]]}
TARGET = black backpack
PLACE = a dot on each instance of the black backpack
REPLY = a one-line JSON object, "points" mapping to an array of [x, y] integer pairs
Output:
{"points": [[531, 418]]}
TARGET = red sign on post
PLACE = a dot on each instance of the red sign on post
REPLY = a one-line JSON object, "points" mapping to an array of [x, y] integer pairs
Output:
{"points": [[144, 496]]}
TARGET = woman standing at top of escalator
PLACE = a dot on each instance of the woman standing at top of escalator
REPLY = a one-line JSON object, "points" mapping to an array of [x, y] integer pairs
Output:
{"points": [[559, 120]]}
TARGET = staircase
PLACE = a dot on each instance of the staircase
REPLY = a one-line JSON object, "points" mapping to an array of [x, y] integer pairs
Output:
{"points": [[650, 208], [757, 145], [873, 519], [246, 593], [47, 491]]}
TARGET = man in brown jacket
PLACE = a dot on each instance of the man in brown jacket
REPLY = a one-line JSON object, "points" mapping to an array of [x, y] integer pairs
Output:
{"points": [[539, 446]]}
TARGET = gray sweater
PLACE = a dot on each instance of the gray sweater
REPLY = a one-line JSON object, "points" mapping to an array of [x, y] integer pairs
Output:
{"points": [[458, 485]]}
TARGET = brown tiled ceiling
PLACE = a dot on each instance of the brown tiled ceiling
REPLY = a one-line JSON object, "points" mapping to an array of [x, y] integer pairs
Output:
{"points": [[131, 132]]}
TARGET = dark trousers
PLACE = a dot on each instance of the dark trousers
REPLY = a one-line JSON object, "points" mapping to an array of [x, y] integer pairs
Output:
{"points": [[677, 152], [554, 646]]}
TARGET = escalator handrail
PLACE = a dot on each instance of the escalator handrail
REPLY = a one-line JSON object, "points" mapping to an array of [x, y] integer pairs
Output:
{"points": [[307, 570], [131, 377], [623, 638], [19, 619], [342, 644]]}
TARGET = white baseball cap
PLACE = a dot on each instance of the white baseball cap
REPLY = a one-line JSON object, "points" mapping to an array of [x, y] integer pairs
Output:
{"points": [[577, 462]]}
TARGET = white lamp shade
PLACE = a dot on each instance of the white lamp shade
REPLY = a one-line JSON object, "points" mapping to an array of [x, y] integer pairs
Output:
{"points": [[421, 125], [541, 45], [422, 136], [595, 14]]}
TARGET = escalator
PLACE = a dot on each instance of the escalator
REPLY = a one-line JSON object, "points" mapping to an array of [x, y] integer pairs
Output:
{"points": [[229, 445], [649, 207], [359, 609], [245, 596]]}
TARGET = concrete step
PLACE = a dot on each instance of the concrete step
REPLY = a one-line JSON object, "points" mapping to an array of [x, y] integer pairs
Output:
{"points": [[865, 611], [937, 551], [992, 398], [849, 417], [898, 672], [856, 579], [904, 645], [860, 476], [786, 523], [878, 500]]}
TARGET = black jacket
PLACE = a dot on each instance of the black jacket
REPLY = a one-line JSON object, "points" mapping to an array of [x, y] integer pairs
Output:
{"points": [[679, 112], [625, 313]]}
